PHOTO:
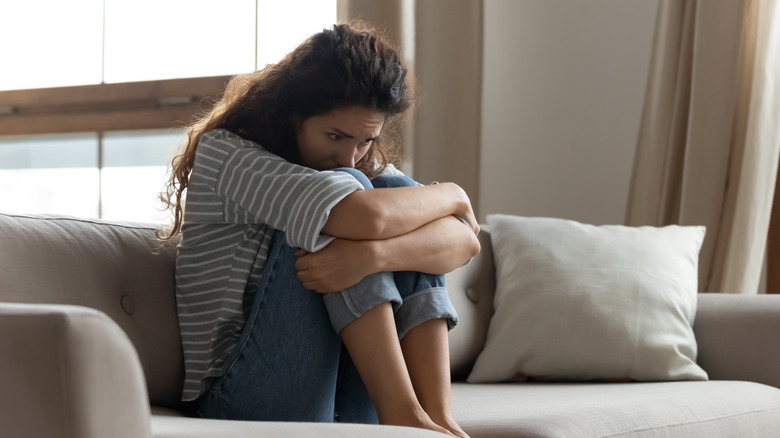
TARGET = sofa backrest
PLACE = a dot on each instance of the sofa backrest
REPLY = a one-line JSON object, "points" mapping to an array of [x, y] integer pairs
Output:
{"points": [[116, 268], [471, 288], [119, 269]]}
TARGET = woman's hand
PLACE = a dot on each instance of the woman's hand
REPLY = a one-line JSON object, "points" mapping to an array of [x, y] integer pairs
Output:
{"points": [[341, 264]]}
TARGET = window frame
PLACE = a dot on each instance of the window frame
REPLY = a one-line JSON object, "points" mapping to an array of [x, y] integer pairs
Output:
{"points": [[158, 104], [101, 108]]}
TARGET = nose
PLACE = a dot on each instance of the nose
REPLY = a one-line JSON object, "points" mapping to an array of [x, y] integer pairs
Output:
{"points": [[347, 158]]}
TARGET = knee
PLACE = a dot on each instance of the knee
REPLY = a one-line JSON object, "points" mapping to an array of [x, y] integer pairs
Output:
{"points": [[388, 181], [358, 175]]}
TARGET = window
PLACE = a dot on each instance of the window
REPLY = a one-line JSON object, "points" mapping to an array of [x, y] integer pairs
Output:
{"points": [[133, 173], [51, 43], [94, 94], [83, 42], [50, 174], [179, 39], [115, 176]]}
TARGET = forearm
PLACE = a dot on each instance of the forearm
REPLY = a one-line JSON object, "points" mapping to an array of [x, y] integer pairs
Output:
{"points": [[385, 213], [438, 247]]}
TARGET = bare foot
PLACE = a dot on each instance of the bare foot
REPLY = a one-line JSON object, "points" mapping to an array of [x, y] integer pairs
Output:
{"points": [[448, 422], [415, 418]]}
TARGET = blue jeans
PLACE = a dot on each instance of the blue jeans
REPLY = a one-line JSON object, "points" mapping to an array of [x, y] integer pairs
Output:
{"points": [[290, 364]]}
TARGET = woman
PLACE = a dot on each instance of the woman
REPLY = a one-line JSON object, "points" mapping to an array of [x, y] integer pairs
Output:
{"points": [[302, 294]]}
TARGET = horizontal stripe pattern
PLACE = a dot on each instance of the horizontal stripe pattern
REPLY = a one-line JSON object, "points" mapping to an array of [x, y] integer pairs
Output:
{"points": [[238, 195]]}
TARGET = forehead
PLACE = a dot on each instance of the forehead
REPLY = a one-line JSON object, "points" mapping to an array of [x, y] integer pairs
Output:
{"points": [[353, 118]]}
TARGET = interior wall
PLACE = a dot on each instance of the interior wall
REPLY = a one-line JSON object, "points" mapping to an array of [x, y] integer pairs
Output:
{"points": [[563, 88], [448, 73]]}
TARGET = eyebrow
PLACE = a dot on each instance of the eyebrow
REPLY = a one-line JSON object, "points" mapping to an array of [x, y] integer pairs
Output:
{"points": [[344, 134]]}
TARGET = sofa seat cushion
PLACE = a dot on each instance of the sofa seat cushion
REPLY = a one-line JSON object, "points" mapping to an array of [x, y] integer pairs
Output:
{"points": [[678, 409], [167, 423]]}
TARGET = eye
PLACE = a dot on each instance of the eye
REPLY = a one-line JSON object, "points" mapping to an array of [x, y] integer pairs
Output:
{"points": [[368, 142], [336, 137]]}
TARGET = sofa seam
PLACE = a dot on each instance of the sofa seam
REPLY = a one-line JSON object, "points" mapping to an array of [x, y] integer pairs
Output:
{"points": [[99, 222]]}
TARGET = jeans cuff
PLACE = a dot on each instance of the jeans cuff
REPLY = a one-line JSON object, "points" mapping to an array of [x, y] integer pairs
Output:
{"points": [[351, 303], [424, 305]]}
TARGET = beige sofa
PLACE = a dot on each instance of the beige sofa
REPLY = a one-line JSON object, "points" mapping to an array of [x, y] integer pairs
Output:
{"points": [[89, 347]]}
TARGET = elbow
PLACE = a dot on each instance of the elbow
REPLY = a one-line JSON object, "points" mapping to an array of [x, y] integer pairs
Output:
{"points": [[466, 250], [468, 246], [471, 247], [474, 246]]}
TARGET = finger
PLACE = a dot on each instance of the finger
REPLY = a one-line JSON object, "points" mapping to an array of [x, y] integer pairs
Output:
{"points": [[301, 252], [302, 264], [313, 285], [306, 275]]}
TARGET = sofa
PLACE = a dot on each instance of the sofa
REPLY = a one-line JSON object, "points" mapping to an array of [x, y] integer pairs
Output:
{"points": [[89, 347]]}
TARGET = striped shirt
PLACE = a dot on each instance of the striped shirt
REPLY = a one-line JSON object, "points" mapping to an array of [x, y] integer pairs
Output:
{"points": [[238, 194]]}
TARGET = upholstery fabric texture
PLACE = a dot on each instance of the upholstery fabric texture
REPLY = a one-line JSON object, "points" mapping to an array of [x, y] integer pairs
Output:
{"points": [[116, 268], [70, 371], [712, 409], [166, 424], [78, 370], [577, 301]]}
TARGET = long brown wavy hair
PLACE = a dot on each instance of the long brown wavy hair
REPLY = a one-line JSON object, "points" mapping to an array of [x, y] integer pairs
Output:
{"points": [[348, 65]]}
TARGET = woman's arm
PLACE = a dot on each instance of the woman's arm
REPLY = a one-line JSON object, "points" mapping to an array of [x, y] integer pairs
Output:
{"points": [[255, 186], [437, 247], [385, 213]]}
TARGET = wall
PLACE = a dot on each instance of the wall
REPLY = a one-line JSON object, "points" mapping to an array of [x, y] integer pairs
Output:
{"points": [[563, 87], [448, 71]]}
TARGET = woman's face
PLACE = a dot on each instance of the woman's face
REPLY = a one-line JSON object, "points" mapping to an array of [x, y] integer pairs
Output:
{"points": [[339, 138]]}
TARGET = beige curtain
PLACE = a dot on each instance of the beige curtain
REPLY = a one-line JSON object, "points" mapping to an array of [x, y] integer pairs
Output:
{"points": [[710, 133], [441, 41]]}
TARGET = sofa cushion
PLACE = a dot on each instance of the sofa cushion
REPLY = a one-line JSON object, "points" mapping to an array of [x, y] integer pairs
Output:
{"points": [[170, 424], [471, 289], [578, 301], [675, 409], [113, 267]]}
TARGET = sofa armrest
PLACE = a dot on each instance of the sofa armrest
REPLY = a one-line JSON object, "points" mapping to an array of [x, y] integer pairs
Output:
{"points": [[737, 337], [69, 371]]}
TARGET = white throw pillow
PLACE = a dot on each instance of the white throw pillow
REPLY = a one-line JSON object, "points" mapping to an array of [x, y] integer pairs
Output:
{"points": [[583, 302]]}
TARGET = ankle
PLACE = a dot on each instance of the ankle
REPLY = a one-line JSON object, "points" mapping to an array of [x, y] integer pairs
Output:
{"points": [[405, 412], [446, 419], [409, 415], [438, 411]]}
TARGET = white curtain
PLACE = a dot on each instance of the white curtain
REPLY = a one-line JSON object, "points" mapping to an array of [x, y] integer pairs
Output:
{"points": [[709, 139]]}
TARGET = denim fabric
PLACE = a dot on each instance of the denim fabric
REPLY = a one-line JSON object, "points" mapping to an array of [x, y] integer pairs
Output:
{"points": [[289, 363], [416, 297]]}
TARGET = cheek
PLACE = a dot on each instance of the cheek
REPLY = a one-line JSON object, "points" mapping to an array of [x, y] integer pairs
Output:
{"points": [[363, 153], [311, 151], [304, 145]]}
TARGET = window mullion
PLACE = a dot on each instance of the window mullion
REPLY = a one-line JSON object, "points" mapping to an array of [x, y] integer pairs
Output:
{"points": [[100, 173]]}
